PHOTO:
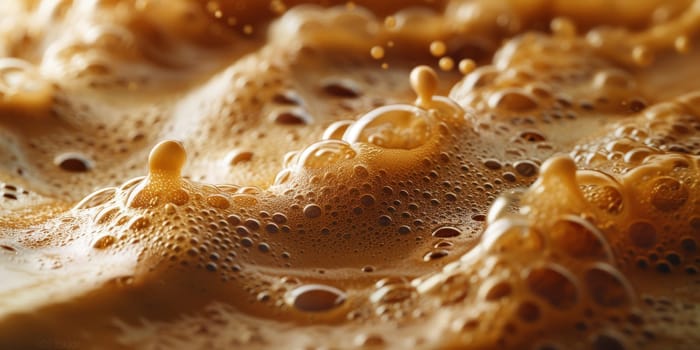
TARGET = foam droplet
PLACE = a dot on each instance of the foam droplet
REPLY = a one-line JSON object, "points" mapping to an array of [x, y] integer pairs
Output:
{"points": [[438, 48], [424, 82], [167, 158], [163, 183], [377, 52]]}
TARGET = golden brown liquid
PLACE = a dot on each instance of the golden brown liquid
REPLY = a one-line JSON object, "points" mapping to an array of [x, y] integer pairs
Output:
{"points": [[421, 174]]}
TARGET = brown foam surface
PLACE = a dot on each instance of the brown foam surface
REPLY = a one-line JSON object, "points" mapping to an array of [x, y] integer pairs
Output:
{"points": [[333, 175]]}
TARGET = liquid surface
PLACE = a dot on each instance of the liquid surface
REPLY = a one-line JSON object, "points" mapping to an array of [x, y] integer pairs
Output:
{"points": [[391, 175]]}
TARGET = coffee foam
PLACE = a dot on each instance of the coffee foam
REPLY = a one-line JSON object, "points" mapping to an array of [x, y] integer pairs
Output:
{"points": [[305, 191]]}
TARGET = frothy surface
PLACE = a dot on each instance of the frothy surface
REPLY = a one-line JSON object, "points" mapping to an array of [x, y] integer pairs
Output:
{"points": [[264, 175]]}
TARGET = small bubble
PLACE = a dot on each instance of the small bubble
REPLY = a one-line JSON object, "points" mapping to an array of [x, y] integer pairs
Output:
{"points": [[466, 66], [390, 22], [526, 168], [667, 194], [492, 164], [340, 89], [607, 287], [367, 200], [554, 286], [385, 220], [446, 64], [316, 298], [312, 211], [434, 255], [438, 48], [104, 242], [73, 162], [377, 52], [218, 201], [446, 232]]}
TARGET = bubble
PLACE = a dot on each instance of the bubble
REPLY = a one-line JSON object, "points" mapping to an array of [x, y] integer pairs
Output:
{"points": [[507, 236], [336, 130], [279, 218], [361, 171], [667, 194], [606, 198], [492, 164], [167, 158], [607, 287], [512, 99], [436, 254], [446, 64], [466, 66], [8, 248], [264, 247], [367, 200], [579, 238], [325, 153], [497, 290], [238, 156], [532, 136], [392, 293], [390, 22], [377, 52], [315, 298], [218, 201], [278, 6], [682, 44], [104, 242], [446, 232], [73, 162], [312, 211], [97, 198], [554, 285], [341, 88], [394, 126], [612, 78], [438, 48], [291, 116], [385, 220], [526, 168]]}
